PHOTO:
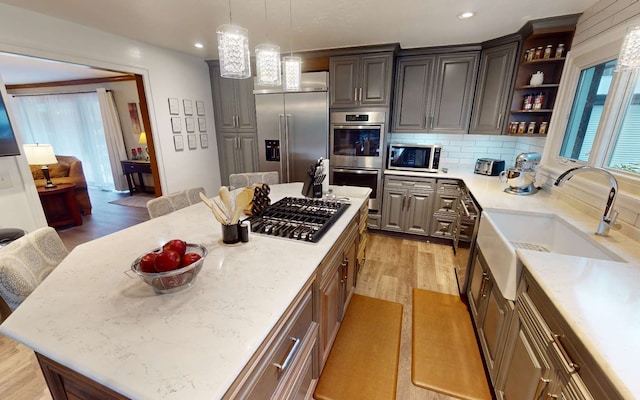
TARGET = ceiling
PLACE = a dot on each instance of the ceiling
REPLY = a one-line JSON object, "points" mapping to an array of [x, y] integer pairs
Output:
{"points": [[178, 24]]}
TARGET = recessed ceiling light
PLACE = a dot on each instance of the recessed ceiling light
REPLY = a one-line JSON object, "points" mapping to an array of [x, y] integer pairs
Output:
{"points": [[199, 45], [466, 15]]}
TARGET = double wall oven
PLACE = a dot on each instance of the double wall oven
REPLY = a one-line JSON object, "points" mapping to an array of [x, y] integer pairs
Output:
{"points": [[357, 147]]}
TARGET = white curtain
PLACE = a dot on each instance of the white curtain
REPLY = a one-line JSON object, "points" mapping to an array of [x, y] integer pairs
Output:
{"points": [[74, 125], [113, 135]]}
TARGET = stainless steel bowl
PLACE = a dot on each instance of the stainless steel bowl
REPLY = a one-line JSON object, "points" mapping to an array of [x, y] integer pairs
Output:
{"points": [[176, 280]]}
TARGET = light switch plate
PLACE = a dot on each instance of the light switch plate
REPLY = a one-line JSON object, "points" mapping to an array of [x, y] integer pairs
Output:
{"points": [[5, 180]]}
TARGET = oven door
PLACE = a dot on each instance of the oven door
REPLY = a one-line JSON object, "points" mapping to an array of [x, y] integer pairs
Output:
{"points": [[370, 178], [357, 145]]}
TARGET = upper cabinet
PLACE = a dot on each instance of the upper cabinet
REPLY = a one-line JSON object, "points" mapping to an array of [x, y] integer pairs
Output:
{"points": [[493, 89], [233, 102], [434, 93], [361, 80], [543, 55]]}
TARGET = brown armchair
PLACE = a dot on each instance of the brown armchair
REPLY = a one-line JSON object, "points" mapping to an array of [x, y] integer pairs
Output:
{"points": [[67, 170]]}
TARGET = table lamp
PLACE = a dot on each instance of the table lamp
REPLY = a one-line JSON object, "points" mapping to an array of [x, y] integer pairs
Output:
{"points": [[143, 140], [41, 154]]}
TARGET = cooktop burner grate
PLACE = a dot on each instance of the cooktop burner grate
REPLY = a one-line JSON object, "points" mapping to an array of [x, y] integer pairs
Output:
{"points": [[298, 218]]}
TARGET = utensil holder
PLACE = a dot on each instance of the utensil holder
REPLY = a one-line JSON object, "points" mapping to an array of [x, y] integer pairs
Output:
{"points": [[230, 233]]}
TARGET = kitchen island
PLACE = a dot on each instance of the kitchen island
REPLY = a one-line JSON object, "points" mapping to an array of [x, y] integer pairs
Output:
{"points": [[93, 317]]}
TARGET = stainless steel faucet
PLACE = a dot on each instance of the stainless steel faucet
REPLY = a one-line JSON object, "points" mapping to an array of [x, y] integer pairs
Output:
{"points": [[609, 217]]}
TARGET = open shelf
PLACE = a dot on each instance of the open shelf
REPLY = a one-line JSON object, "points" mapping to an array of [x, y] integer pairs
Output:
{"points": [[540, 111], [543, 86]]}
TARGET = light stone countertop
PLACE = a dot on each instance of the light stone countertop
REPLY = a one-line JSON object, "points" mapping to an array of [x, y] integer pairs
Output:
{"points": [[600, 300], [93, 318]]}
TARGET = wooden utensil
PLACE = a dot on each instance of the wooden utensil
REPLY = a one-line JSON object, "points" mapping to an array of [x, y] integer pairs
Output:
{"points": [[243, 199], [225, 196], [216, 212]]}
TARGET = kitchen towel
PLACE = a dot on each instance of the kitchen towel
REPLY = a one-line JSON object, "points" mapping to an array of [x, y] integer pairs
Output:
{"points": [[445, 356]]}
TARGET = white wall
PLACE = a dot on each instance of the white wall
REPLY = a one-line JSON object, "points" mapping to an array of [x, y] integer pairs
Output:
{"points": [[166, 74], [604, 15]]}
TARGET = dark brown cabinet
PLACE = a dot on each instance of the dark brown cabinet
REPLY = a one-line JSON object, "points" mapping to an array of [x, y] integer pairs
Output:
{"points": [[434, 93], [495, 81], [361, 80]]}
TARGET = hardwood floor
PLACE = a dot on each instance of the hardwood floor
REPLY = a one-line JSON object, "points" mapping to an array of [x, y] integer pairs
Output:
{"points": [[393, 268]]}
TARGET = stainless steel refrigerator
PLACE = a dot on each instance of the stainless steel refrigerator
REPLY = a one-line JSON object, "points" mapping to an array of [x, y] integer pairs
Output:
{"points": [[293, 127]]}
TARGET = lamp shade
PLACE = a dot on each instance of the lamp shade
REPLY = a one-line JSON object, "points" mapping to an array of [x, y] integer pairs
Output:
{"points": [[629, 57], [292, 71], [268, 65], [233, 51], [39, 154], [143, 138]]}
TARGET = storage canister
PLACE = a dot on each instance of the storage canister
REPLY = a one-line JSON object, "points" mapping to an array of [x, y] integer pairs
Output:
{"points": [[547, 52], [560, 50], [527, 102], [539, 52], [522, 126], [537, 102], [543, 128], [532, 127]]}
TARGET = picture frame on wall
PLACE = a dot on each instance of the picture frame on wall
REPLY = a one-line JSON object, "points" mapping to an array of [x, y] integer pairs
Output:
{"points": [[188, 107], [202, 124], [200, 107], [176, 126], [190, 124], [136, 126], [191, 140], [204, 140], [174, 106], [178, 142]]}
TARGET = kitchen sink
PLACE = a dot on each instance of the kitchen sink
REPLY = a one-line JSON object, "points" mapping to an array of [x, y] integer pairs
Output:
{"points": [[501, 232]]}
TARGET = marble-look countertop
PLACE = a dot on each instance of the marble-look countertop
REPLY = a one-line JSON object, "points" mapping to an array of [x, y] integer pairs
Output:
{"points": [[92, 317], [599, 299]]}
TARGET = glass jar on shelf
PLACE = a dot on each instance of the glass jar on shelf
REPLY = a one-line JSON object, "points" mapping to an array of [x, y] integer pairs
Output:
{"points": [[538, 101], [547, 52], [539, 53], [543, 128], [560, 51], [527, 102], [532, 127]]}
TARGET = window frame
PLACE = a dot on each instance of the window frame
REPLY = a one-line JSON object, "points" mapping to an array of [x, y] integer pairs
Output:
{"points": [[593, 51]]}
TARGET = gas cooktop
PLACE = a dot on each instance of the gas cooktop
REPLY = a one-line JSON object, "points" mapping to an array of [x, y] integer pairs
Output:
{"points": [[298, 218]]}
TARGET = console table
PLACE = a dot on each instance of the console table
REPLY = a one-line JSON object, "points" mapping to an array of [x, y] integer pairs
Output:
{"points": [[135, 166], [60, 205]]}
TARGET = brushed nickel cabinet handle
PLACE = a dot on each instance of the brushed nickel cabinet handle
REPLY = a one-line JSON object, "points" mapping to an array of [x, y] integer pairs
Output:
{"points": [[289, 357], [499, 121], [403, 200], [355, 94], [409, 204], [360, 97], [542, 384], [573, 366]]}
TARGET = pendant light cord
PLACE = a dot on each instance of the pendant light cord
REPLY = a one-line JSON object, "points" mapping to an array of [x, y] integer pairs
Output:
{"points": [[290, 29], [266, 21], [230, 20]]}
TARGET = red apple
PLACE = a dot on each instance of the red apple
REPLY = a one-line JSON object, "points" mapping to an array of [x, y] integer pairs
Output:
{"points": [[190, 258], [147, 263], [167, 260], [176, 245]]}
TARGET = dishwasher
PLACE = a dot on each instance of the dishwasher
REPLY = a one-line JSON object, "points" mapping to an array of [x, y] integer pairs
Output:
{"points": [[464, 236]]}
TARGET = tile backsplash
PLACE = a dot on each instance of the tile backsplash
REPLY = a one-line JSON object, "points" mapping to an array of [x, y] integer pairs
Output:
{"points": [[466, 149]]}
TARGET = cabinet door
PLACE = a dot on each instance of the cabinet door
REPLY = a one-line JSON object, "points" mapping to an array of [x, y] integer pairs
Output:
{"points": [[446, 203], [493, 326], [343, 81], [419, 211], [247, 154], [349, 270], [375, 80], [455, 82], [224, 102], [527, 371], [443, 225], [330, 310], [393, 210], [228, 152], [476, 291], [490, 107], [412, 100], [245, 105]]}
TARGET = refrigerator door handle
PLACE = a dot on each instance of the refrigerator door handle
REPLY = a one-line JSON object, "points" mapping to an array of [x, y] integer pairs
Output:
{"points": [[286, 140], [282, 161]]}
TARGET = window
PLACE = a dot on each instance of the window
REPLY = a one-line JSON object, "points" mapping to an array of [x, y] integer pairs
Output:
{"points": [[625, 149]]}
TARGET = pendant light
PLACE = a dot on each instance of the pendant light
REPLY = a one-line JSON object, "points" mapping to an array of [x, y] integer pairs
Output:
{"points": [[629, 57], [292, 65], [233, 50], [268, 71]]}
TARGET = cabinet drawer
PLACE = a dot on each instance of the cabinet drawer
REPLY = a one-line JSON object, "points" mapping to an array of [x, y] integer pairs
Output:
{"points": [[449, 185], [283, 352]]}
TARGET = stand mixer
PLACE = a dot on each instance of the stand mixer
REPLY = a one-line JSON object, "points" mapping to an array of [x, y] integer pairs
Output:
{"points": [[521, 178]]}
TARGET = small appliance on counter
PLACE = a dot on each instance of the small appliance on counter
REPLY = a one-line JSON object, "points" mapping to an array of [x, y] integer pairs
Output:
{"points": [[414, 157], [489, 166], [521, 178]]}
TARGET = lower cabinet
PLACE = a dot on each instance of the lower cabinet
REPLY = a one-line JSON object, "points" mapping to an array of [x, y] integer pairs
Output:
{"points": [[407, 205], [336, 285], [491, 313]]}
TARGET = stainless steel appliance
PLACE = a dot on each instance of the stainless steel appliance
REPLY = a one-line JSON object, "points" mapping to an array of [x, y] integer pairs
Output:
{"points": [[356, 143], [521, 178], [414, 157], [298, 218], [489, 166], [293, 127]]}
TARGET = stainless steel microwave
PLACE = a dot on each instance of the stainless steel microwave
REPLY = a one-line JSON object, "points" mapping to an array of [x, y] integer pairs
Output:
{"points": [[415, 157]]}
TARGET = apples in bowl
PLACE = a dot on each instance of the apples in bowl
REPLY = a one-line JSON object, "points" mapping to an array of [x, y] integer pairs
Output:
{"points": [[172, 267]]}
